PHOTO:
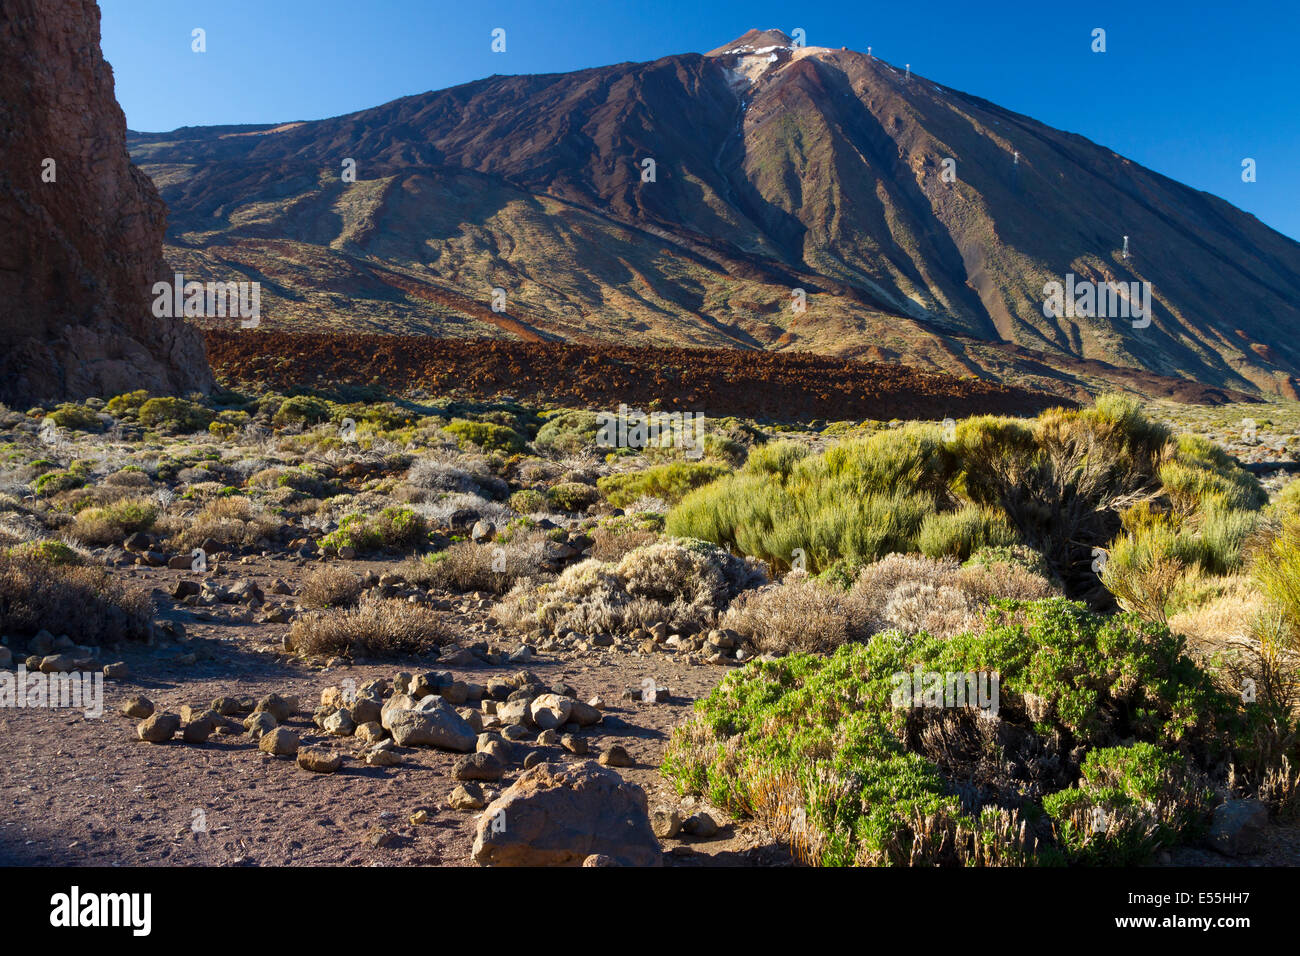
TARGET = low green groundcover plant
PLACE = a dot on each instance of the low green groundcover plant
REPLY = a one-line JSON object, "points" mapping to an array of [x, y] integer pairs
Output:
{"points": [[390, 528], [1093, 748]]}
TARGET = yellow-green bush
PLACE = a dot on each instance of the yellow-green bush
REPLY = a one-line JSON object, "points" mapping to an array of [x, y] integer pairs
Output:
{"points": [[669, 482], [571, 496], [113, 522], [127, 404], [75, 417], [177, 413], [959, 534], [567, 433], [1058, 483], [487, 435], [391, 528]]}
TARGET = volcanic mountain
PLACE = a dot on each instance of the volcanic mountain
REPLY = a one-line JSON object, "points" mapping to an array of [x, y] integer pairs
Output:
{"points": [[765, 195]]}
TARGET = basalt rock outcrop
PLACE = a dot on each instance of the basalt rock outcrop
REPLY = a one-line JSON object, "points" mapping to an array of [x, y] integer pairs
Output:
{"points": [[81, 228]]}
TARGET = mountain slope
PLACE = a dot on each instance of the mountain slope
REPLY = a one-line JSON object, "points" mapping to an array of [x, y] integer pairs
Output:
{"points": [[775, 168]]}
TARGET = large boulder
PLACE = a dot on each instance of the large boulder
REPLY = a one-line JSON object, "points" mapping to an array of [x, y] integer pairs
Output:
{"points": [[559, 815], [550, 710], [434, 723], [1239, 827], [80, 240]]}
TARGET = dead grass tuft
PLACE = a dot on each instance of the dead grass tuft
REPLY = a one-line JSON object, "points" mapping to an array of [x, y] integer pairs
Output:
{"points": [[381, 628], [83, 601]]}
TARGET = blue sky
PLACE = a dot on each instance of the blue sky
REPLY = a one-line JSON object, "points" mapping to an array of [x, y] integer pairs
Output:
{"points": [[1189, 89]]}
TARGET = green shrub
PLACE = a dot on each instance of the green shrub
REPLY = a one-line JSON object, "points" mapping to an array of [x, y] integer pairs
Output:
{"points": [[486, 435], [1277, 572], [958, 534], [819, 750], [777, 458], [391, 528], [1130, 802], [1202, 473], [53, 482], [1288, 500], [223, 430], [855, 503], [127, 405], [669, 482], [772, 521], [1062, 479], [724, 449], [1216, 540], [527, 501], [301, 410], [177, 413], [47, 551], [76, 417], [384, 416], [567, 433], [571, 496], [1143, 569]]}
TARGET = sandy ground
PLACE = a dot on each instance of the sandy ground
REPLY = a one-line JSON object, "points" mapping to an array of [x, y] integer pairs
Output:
{"points": [[85, 791], [82, 791]]}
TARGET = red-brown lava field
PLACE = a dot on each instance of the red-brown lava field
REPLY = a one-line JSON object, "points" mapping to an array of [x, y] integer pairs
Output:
{"points": [[785, 386]]}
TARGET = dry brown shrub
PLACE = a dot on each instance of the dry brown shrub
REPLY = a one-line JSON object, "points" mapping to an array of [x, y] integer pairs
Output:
{"points": [[494, 567], [1219, 621], [231, 522], [83, 601], [799, 614], [877, 582], [1005, 580], [330, 586], [382, 628], [684, 584], [112, 523], [909, 592], [137, 480], [611, 545], [942, 611]]}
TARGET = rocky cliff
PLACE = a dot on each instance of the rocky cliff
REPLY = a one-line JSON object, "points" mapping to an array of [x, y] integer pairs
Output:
{"points": [[81, 228]]}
